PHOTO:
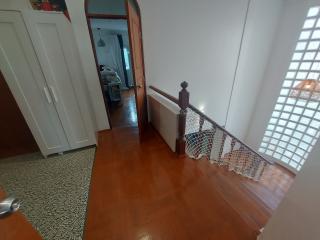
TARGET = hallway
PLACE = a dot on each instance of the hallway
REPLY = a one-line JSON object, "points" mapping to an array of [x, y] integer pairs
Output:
{"points": [[143, 191], [124, 114]]}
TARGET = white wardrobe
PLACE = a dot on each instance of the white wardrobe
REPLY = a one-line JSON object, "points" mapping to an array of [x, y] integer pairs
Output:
{"points": [[41, 64]]}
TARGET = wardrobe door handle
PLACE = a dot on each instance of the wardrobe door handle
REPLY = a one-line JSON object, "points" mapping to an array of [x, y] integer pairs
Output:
{"points": [[54, 94], [46, 92]]}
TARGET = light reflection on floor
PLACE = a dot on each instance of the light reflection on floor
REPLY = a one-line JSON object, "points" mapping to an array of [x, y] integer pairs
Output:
{"points": [[132, 109], [125, 114]]}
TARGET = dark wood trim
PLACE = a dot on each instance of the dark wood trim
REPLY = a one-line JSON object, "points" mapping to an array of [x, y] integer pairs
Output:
{"points": [[166, 95], [86, 7], [205, 117], [16, 137], [131, 55], [133, 68], [183, 104], [106, 16], [133, 62], [142, 50]]}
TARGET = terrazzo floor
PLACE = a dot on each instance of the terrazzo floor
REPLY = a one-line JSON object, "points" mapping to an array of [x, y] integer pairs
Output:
{"points": [[53, 191]]}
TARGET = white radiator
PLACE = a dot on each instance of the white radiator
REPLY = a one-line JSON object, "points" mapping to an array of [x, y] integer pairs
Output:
{"points": [[164, 118]]}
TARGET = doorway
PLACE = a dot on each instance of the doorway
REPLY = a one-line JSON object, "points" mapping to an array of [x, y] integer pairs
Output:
{"points": [[117, 46], [113, 52]]}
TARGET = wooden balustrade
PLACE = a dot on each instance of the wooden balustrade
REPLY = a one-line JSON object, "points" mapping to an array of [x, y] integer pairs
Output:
{"points": [[202, 141], [183, 104]]}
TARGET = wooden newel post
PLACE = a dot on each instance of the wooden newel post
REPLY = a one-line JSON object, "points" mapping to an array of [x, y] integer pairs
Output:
{"points": [[183, 104]]}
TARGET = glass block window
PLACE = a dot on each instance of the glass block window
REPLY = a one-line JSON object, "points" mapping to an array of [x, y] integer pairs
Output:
{"points": [[294, 126]]}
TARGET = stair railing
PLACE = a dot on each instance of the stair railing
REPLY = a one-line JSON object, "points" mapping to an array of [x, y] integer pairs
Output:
{"points": [[200, 137]]}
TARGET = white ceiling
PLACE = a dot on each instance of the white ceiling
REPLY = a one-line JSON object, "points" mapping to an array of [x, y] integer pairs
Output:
{"points": [[109, 24]]}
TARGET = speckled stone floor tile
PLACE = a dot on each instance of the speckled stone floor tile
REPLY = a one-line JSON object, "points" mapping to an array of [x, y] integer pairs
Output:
{"points": [[53, 191]]}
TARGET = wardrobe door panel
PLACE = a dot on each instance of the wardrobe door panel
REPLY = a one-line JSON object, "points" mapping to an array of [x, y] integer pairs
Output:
{"points": [[25, 79], [52, 37]]}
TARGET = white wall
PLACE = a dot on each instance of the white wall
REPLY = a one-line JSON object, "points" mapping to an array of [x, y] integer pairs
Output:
{"points": [[80, 28], [197, 42], [290, 26], [297, 217], [261, 26]]}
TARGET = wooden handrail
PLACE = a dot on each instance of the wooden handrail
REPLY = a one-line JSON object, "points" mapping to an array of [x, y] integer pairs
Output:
{"points": [[205, 117], [164, 94]]}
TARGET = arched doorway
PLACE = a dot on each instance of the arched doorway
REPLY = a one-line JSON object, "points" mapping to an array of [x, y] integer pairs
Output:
{"points": [[116, 38]]}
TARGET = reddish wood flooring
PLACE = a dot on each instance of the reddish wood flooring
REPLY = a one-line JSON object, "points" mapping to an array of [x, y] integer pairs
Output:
{"points": [[124, 114], [143, 191], [16, 226]]}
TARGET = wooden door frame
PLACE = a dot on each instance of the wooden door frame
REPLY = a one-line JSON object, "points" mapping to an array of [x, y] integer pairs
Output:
{"points": [[127, 2], [115, 17]]}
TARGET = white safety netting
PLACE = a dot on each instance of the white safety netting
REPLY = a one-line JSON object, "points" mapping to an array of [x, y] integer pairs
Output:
{"points": [[205, 140]]}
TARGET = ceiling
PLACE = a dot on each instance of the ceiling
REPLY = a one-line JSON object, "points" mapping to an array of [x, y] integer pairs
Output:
{"points": [[109, 24]]}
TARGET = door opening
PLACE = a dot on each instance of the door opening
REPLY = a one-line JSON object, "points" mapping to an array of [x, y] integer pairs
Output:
{"points": [[115, 30], [112, 47]]}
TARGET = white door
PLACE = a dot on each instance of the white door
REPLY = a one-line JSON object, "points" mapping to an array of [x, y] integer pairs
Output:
{"points": [[54, 42], [21, 69]]}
